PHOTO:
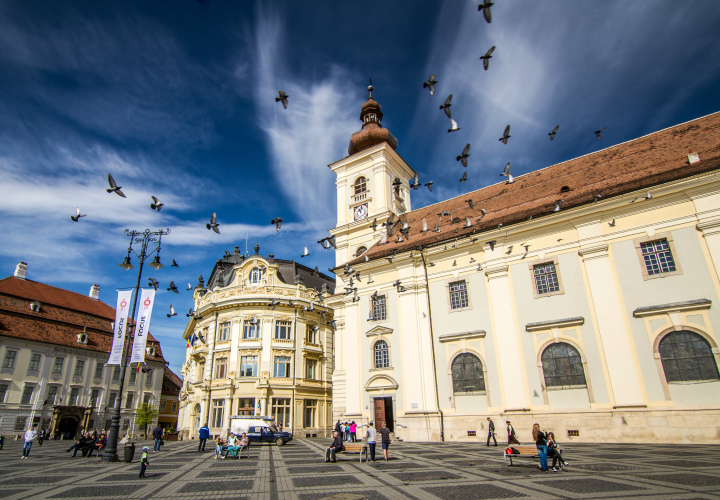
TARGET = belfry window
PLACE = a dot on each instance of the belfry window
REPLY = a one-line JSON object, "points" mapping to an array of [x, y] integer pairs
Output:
{"points": [[360, 185], [467, 374], [687, 357]]}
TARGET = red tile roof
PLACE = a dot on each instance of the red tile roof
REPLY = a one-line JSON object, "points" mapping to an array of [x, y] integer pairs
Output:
{"points": [[171, 383], [642, 163]]}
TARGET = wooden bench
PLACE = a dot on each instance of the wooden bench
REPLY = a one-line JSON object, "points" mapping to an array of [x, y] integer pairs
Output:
{"points": [[356, 448], [525, 452]]}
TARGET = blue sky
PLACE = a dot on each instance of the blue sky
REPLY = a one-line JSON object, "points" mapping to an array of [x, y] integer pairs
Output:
{"points": [[176, 99]]}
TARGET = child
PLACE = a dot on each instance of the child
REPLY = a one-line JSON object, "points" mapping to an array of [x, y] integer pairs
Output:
{"points": [[144, 461]]}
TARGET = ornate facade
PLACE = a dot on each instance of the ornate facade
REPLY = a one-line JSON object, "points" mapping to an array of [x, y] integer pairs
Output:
{"points": [[260, 343]]}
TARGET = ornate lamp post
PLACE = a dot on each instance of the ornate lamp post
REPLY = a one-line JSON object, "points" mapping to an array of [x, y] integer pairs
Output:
{"points": [[144, 239]]}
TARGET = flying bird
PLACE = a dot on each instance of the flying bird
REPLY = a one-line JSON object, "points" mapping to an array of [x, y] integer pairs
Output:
{"points": [[558, 205], [274, 304], [305, 252], [492, 245], [190, 313], [172, 312], [463, 157], [612, 224], [468, 222], [327, 243], [483, 211], [374, 224], [173, 288], [597, 133], [114, 187], [437, 227], [429, 185], [424, 226], [646, 197], [470, 202], [506, 135], [415, 181], [446, 106], [314, 271], [430, 84], [453, 126], [552, 134], [174, 264], [506, 173], [485, 8], [283, 97], [597, 197], [153, 283], [464, 177], [278, 222], [454, 263], [190, 287], [213, 223], [77, 215], [156, 205], [486, 58]]}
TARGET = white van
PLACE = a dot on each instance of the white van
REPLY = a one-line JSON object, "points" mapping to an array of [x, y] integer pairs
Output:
{"points": [[259, 429]]}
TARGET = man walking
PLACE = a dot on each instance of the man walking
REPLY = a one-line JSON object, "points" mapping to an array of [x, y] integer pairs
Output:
{"points": [[386, 441], [512, 438], [336, 446], [158, 435], [204, 435], [41, 436], [29, 436], [491, 432], [371, 439]]}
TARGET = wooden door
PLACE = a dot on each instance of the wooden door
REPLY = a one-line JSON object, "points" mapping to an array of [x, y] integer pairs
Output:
{"points": [[379, 412]]}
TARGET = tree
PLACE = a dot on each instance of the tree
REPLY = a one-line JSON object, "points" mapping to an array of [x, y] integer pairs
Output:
{"points": [[145, 415]]}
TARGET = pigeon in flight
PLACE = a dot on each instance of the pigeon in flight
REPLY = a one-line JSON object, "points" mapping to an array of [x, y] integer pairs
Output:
{"points": [[446, 106], [374, 224], [463, 157], [415, 181], [506, 135], [305, 252], [278, 222], [173, 288], [506, 173], [485, 8], [453, 126], [483, 211], [470, 202], [153, 283], [612, 224], [156, 205], [437, 227], [172, 312], [597, 133], [282, 97], [77, 215], [468, 222], [558, 205], [314, 271], [454, 263], [213, 223], [174, 264], [190, 287], [597, 197], [114, 187], [328, 242], [429, 185], [190, 313], [646, 197], [274, 304], [486, 58], [424, 226], [492, 245], [464, 177], [552, 134], [430, 84]]}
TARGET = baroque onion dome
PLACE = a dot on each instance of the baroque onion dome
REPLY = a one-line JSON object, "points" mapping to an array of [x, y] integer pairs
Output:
{"points": [[372, 131]]}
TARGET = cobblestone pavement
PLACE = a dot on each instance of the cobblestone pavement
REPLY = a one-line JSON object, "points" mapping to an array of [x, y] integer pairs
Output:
{"points": [[417, 471]]}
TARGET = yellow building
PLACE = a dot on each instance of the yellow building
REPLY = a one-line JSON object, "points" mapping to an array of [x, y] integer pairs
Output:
{"points": [[261, 344], [582, 296], [169, 400]]}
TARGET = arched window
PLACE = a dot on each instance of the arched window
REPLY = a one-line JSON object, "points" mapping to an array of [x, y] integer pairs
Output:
{"points": [[687, 357], [562, 366], [467, 374], [360, 185], [360, 251], [255, 276], [382, 354]]}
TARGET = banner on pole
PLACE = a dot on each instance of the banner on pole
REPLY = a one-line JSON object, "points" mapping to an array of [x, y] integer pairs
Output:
{"points": [[142, 326], [121, 314]]}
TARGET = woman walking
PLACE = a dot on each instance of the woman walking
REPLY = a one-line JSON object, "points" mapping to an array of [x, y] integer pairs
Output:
{"points": [[540, 439], [554, 452], [512, 438]]}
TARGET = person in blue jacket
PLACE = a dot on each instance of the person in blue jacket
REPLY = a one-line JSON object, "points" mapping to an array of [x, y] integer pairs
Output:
{"points": [[204, 435]]}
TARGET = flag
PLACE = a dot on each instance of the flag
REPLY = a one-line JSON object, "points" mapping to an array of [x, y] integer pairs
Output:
{"points": [[121, 314], [142, 326], [193, 339]]}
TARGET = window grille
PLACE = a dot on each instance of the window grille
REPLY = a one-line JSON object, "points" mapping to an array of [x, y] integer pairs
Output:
{"points": [[562, 366], [34, 363], [458, 295], [224, 333], [382, 354], [379, 308], [687, 357], [467, 374], [248, 366], [546, 280], [281, 367], [310, 334], [360, 251], [658, 257], [282, 330], [133, 374]]}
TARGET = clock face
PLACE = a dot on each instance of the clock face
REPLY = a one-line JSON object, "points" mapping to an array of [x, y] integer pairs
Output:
{"points": [[361, 211]]}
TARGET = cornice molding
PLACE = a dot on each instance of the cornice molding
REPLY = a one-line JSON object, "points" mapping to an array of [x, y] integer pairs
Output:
{"points": [[452, 337]]}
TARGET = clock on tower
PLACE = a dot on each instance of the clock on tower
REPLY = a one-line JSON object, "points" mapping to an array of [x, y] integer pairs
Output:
{"points": [[361, 211]]}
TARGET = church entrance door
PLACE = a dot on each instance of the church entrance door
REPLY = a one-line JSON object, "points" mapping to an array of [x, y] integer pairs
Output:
{"points": [[384, 413]]}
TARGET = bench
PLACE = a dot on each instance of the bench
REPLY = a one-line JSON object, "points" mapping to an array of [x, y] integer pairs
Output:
{"points": [[356, 448], [525, 452]]}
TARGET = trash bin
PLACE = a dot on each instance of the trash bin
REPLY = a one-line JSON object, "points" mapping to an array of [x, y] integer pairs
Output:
{"points": [[129, 451]]}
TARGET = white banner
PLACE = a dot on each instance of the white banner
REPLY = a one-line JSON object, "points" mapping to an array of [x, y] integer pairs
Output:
{"points": [[142, 326], [121, 314]]}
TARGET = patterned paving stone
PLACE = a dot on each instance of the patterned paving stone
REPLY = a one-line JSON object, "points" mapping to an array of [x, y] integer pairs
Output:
{"points": [[131, 476], [9, 492], [325, 468], [31, 480], [97, 491], [607, 467], [474, 462], [586, 485], [687, 479], [330, 480], [472, 492], [397, 465], [227, 473], [424, 476], [213, 486], [351, 495]]}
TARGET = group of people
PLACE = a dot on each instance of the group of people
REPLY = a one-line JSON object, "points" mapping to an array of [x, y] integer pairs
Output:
{"points": [[89, 441], [544, 441], [371, 437], [347, 431], [512, 438], [232, 446]]}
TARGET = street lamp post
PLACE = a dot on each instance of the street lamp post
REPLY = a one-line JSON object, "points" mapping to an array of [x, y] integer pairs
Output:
{"points": [[144, 238]]}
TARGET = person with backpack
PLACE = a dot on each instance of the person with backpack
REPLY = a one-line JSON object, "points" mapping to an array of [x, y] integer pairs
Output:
{"points": [[541, 442], [491, 432], [554, 452]]}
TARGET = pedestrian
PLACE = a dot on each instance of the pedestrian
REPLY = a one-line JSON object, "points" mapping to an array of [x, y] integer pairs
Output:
{"points": [[333, 448], [386, 441], [554, 452], [158, 435], [347, 432], [41, 436], [338, 428], [512, 438], [541, 442], [2, 442], [204, 434], [144, 461], [491, 432], [371, 439], [353, 431], [280, 426], [29, 436]]}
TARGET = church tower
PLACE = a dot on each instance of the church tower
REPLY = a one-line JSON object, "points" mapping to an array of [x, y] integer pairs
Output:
{"points": [[372, 182]]}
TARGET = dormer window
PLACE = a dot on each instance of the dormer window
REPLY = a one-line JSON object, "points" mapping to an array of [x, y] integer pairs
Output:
{"points": [[255, 276], [360, 185]]}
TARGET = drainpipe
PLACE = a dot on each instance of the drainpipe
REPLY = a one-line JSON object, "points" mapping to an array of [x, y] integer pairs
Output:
{"points": [[212, 363], [432, 344]]}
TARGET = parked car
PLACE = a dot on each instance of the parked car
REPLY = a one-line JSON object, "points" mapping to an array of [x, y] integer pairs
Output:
{"points": [[259, 429]]}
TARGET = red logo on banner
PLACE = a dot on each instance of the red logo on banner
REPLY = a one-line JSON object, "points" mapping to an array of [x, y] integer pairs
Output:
{"points": [[147, 302], [123, 304]]}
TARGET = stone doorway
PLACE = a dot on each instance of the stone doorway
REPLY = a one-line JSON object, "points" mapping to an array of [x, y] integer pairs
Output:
{"points": [[384, 413]]}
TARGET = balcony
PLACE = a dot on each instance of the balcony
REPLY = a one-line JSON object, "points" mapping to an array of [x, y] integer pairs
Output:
{"points": [[360, 197]]}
